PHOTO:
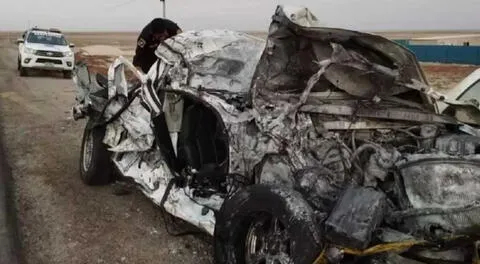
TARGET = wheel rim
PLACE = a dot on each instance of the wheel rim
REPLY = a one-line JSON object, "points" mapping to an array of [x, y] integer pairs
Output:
{"points": [[267, 242], [87, 151]]}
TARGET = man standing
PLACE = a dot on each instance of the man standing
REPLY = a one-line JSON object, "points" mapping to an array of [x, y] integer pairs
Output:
{"points": [[152, 34]]}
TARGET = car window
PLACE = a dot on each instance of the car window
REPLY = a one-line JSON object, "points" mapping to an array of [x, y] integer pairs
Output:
{"points": [[472, 92], [45, 38]]}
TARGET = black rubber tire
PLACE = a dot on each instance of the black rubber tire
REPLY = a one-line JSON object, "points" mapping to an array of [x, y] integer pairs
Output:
{"points": [[67, 74], [22, 70], [236, 214], [100, 171]]}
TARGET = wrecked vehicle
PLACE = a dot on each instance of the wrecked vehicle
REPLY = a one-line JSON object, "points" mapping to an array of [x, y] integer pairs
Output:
{"points": [[319, 145]]}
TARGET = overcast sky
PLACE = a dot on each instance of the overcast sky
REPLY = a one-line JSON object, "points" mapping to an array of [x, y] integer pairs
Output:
{"points": [[132, 15]]}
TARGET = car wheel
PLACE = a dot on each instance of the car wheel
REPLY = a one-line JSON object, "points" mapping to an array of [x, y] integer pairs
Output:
{"points": [[95, 164], [266, 224], [22, 70], [67, 74]]}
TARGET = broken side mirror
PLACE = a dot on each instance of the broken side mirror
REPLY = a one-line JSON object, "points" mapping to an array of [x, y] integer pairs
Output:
{"points": [[71, 45], [20, 41]]}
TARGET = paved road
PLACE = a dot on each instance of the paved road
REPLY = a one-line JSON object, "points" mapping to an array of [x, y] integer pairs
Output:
{"points": [[60, 219]]}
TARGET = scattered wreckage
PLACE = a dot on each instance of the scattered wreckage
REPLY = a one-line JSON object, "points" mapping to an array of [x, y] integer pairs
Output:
{"points": [[319, 145]]}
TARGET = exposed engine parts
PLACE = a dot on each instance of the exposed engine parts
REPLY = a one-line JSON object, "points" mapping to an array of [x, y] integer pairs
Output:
{"points": [[357, 214]]}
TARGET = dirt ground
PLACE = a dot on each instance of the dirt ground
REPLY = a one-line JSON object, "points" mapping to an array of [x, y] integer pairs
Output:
{"points": [[63, 221], [60, 219], [445, 76]]}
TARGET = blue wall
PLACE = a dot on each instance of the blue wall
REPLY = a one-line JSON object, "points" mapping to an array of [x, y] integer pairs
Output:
{"points": [[444, 53]]}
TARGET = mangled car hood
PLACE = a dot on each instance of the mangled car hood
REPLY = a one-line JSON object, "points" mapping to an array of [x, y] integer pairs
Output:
{"points": [[362, 65], [220, 60]]}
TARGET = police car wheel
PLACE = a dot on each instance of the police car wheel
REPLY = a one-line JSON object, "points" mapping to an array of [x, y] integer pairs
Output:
{"points": [[67, 74], [22, 70]]}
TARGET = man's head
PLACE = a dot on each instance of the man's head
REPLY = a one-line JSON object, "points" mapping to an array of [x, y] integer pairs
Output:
{"points": [[163, 29]]}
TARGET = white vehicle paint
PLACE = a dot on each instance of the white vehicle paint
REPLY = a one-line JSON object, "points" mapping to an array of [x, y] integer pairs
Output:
{"points": [[46, 50], [467, 89], [467, 93]]}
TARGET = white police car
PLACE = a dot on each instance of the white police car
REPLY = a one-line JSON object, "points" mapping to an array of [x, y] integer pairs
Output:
{"points": [[45, 49]]}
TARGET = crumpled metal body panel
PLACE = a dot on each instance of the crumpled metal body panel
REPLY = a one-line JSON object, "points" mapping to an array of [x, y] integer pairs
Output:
{"points": [[134, 121], [89, 92], [150, 171], [363, 65], [250, 134], [220, 60]]}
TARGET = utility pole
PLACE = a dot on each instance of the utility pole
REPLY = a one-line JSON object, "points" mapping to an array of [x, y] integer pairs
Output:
{"points": [[164, 8]]}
